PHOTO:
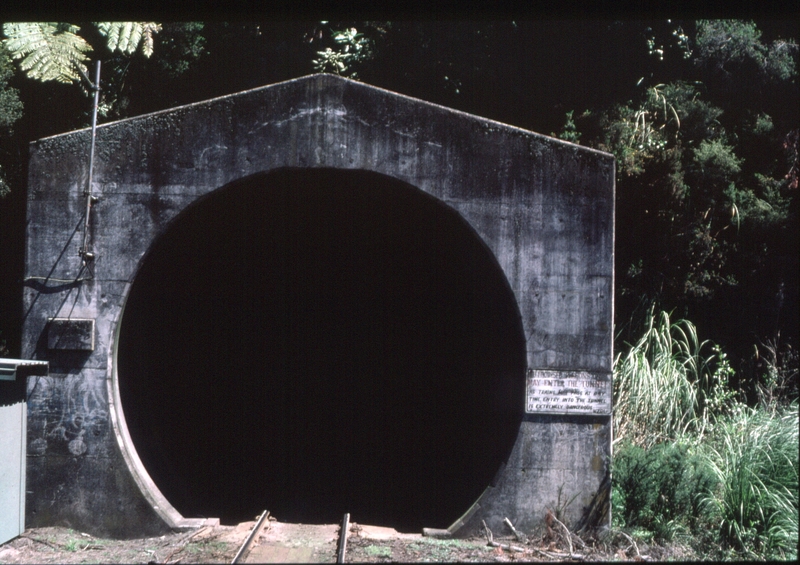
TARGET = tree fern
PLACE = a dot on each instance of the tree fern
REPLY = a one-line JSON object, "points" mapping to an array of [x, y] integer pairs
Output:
{"points": [[48, 50], [127, 36], [54, 51]]}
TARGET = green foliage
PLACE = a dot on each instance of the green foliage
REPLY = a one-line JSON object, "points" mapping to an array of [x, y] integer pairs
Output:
{"points": [[777, 383], [57, 52], [679, 41], [697, 118], [765, 205], [659, 489], [754, 455], [10, 105], [128, 36], [570, 132], [47, 50], [350, 49], [762, 125], [54, 51], [730, 46], [636, 135], [669, 117], [714, 167], [378, 551], [666, 382], [180, 46], [707, 177], [71, 545]]}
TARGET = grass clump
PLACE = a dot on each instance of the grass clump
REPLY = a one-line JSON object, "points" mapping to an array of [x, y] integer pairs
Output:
{"points": [[754, 455], [378, 551], [668, 384], [71, 545]]}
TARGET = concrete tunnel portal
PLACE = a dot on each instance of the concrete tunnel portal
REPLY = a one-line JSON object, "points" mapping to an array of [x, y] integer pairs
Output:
{"points": [[321, 341]]}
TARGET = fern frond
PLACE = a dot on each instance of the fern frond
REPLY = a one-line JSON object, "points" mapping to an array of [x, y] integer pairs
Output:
{"points": [[149, 30], [48, 50], [127, 36]]}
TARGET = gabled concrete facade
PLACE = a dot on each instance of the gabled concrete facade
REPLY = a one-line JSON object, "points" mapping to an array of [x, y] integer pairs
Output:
{"points": [[545, 208]]}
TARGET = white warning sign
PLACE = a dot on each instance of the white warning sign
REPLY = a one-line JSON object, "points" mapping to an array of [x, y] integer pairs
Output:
{"points": [[568, 392]]}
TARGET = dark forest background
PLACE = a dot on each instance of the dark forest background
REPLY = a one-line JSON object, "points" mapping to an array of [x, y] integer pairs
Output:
{"points": [[702, 116]]}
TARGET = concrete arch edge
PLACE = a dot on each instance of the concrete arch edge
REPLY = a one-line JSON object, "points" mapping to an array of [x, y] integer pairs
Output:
{"points": [[167, 513]]}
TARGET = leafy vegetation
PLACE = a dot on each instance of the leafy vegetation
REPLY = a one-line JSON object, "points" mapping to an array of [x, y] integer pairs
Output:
{"points": [[656, 490], [55, 51], [378, 551], [128, 36], [47, 51], [350, 49], [10, 106], [707, 176], [693, 460]]}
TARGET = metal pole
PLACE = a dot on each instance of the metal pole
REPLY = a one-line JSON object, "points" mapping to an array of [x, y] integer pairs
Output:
{"points": [[343, 538], [84, 252]]}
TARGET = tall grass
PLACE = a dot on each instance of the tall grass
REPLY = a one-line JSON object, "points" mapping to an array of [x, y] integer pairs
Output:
{"points": [[754, 454], [664, 382]]}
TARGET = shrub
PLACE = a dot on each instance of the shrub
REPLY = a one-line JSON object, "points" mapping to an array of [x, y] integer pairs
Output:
{"points": [[659, 489]]}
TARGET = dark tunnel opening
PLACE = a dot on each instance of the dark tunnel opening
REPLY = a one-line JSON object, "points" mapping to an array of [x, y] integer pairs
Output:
{"points": [[318, 341]]}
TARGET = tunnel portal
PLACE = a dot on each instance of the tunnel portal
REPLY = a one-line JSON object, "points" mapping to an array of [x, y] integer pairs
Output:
{"points": [[321, 341], [317, 297]]}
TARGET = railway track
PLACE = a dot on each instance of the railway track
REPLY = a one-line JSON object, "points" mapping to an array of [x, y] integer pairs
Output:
{"points": [[248, 541], [263, 523]]}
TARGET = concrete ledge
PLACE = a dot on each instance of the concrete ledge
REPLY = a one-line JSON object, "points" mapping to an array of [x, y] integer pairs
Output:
{"points": [[188, 524]]}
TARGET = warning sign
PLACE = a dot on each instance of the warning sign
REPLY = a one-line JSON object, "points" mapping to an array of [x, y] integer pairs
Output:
{"points": [[568, 392]]}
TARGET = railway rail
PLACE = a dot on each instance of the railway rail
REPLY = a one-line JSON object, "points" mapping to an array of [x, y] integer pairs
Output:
{"points": [[241, 555]]}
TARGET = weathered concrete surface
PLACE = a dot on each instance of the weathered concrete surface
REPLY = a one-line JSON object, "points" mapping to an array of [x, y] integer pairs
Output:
{"points": [[544, 208]]}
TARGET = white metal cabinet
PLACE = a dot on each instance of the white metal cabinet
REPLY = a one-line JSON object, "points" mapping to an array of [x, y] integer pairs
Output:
{"points": [[13, 432]]}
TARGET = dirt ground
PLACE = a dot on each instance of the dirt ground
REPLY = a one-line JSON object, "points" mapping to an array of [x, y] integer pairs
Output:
{"points": [[279, 542]]}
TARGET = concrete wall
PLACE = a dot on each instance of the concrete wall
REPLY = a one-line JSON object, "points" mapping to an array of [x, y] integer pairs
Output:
{"points": [[544, 207]]}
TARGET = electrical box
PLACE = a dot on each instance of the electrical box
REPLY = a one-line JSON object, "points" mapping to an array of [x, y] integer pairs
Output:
{"points": [[13, 441], [70, 333]]}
